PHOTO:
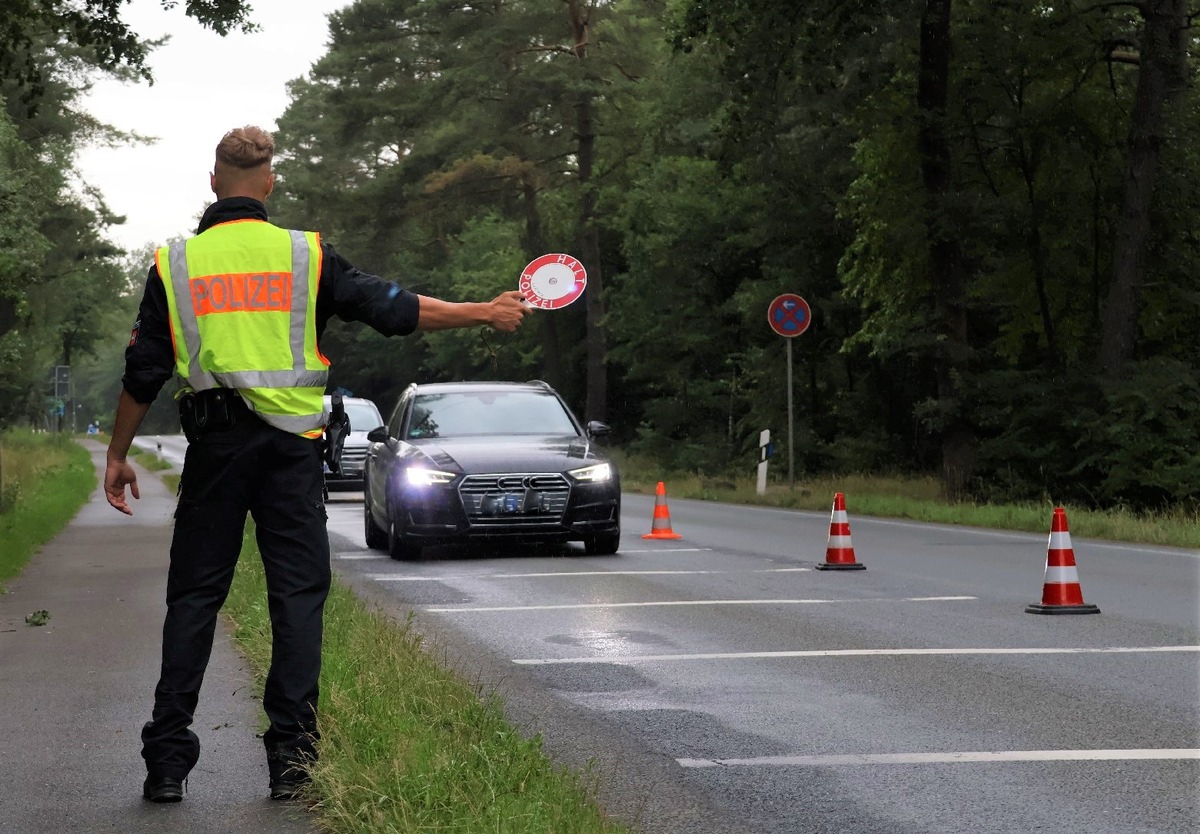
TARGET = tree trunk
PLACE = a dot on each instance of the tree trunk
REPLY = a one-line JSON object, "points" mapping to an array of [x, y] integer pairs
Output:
{"points": [[1037, 256], [535, 246], [8, 314], [947, 272], [597, 338], [1161, 76], [589, 237]]}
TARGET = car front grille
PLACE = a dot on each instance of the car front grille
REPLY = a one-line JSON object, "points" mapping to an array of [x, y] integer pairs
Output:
{"points": [[514, 499], [353, 457]]}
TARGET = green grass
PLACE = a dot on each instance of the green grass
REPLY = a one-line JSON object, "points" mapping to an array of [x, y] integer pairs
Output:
{"points": [[148, 460], [407, 746], [920, 499], [44, 480]]}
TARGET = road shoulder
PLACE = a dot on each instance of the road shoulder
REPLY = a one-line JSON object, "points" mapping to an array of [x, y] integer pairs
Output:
{"points": [[75, 692]]}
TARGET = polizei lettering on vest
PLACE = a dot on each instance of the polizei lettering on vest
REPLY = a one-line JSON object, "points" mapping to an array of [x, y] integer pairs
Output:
{"points": [[248, 292]]}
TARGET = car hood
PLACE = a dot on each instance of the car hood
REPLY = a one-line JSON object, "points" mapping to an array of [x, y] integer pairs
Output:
{"points": [[505, 454], [357, 439]]}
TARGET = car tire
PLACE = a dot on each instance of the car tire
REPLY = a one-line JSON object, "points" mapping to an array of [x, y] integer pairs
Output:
{"points": [[377, 538], [602, 544], [400, 547]]}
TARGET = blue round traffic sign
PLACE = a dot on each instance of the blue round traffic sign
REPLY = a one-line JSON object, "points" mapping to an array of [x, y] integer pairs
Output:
{"points": [[789, 315]]}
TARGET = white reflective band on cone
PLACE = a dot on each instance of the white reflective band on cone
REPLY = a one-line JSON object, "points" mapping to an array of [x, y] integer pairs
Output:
{"points": [[1061, 576], [1060, 541]]}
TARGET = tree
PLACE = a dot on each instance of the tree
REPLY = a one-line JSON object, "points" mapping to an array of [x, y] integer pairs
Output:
{"points": [[95, 27], [435, 115], [1162, 76], [947, 270], [24, 199], [948, 213]]}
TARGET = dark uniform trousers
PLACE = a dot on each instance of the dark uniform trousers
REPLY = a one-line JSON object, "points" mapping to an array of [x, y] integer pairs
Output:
{"points": [[277, 478]]}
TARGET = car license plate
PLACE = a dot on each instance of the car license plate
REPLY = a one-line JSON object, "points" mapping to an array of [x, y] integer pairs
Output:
{"points": [[512, 503], [504, 503]]}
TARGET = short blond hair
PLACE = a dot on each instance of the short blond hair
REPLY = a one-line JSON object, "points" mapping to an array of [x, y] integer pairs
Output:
{"points": [[246, 147]]}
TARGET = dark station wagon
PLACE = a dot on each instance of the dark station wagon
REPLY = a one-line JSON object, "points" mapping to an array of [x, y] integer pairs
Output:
{"points": [[470, 462]]}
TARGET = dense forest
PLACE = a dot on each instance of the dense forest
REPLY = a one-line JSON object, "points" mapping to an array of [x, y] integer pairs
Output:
{"points": [[990, 208]]}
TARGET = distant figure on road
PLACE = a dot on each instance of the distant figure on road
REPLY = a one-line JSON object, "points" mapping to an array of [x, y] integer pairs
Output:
{"points": [[237, 312]]}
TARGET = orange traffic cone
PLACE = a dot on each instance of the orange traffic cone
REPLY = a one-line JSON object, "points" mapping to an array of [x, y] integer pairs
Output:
{"points": [[660, 528], [839, 550], [1061, 593]]}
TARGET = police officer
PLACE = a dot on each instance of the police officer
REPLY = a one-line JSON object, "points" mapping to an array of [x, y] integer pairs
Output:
{"points": [[237, 313]]}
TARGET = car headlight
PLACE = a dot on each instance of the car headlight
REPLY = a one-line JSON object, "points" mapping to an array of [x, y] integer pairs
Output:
{"points": [[416, 476], [595, 474]]}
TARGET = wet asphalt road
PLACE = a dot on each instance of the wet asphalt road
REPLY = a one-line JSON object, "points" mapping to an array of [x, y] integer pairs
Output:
{"points": [[718, 683], [720, 673]]}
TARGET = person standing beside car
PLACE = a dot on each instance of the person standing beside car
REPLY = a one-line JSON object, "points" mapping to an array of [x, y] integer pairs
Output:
{"points": [[237, 312]]}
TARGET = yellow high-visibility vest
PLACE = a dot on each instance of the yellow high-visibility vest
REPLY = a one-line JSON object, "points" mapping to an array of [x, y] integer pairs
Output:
{"points": [[242, 298]]}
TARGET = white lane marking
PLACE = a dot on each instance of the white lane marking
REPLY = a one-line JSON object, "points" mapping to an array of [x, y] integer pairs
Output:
{"points": [[349, 556], [951, 758], [389, 577], [578, 605], [659, 658]]}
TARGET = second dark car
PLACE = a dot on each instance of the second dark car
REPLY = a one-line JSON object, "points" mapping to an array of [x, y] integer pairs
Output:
{"points": [[488, 461]]}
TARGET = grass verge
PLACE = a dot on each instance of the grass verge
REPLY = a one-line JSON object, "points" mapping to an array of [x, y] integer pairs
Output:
{"points": [[44, 480], [406, 745], [920, 499], [148, 460]]}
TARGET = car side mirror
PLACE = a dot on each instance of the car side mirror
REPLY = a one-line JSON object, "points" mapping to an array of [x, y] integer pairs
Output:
{"points": [[378, 434], [597, 429]]}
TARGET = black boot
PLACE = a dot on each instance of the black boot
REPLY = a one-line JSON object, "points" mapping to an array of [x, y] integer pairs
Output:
{"points": [[289, 773], [163, 789]]}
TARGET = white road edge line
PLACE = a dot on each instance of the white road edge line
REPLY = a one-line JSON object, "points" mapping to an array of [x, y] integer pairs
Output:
{"points": [[660, 603], [661, 658], [950, 758], [391, 577], [864, 520]]}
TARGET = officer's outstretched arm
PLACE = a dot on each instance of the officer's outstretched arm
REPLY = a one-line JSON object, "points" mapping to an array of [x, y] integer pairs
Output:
{"points": [[504, 312]]}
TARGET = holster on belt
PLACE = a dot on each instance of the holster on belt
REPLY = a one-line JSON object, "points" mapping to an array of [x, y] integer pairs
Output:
{"points": [[335, 433], [203, 412]]}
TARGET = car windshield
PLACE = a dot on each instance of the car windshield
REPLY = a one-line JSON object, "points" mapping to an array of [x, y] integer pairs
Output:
{"points": [[487, 413], [363, 417]]}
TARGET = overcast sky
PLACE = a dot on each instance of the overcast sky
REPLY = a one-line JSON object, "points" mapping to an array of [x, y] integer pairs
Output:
{"points": [[204, 85]]}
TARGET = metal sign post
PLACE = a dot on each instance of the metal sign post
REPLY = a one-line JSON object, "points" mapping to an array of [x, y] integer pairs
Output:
{"points": [[789, 315], [791, 421], [60, 382]]}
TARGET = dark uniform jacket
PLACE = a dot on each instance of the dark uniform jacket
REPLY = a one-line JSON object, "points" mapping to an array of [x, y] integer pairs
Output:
{"points": [[344, 291]]}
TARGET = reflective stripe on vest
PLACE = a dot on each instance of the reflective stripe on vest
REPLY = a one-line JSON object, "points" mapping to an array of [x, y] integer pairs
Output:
{"points": [[290, 399]]}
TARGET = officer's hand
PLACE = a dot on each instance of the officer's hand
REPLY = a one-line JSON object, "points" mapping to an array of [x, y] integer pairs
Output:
{"points": [[508, 309], [117, 474]]}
